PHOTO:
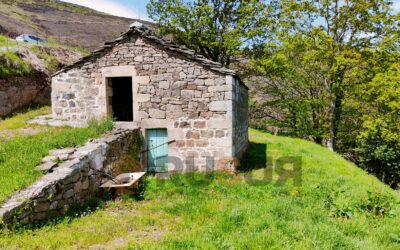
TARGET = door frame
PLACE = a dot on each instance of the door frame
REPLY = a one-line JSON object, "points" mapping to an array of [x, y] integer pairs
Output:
{"points": [[117, 71]]}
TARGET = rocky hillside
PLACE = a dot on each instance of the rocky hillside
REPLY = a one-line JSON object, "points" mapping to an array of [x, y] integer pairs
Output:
{"points": [[62, 22], [24, 74]]}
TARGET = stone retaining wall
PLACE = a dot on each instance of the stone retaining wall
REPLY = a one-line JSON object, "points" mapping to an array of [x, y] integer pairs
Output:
{"points": [[20, 91], [71, 182]]}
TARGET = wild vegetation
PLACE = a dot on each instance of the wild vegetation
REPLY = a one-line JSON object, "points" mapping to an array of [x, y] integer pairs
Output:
{"points": [[21, 59], [21, 153], [337, 206], [11, 64], [328, 69]]}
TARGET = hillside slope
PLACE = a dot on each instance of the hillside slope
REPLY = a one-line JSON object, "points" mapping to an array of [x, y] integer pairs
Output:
{"points": [[25, 70], [336, 206], [66, 23]]}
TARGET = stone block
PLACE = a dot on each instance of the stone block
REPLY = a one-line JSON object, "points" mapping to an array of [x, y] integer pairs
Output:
{"points": [[164, 85], [209, 82], [206, 114], [68, 96], [68, 194], [143, 115], [157, 114], [190, 143], [138, 59], [228, 96], [201, 143], [85, 184], [200, 124], [219, 123], [191, 87], [182, 75], [207, 134], [53, 205], [41, 207], [78, 187], [38, 216], [187, 94], [219, 133], [180, 143], [173, 107], [184, 124], [142, 97], [175, 134], [141, 79], [199, 82], [193, 135], [220, 106], [47, 166], [220, 88]]}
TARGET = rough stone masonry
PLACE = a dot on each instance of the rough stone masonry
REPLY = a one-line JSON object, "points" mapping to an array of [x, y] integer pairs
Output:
{"points": [[72, 181], [203, 106]]}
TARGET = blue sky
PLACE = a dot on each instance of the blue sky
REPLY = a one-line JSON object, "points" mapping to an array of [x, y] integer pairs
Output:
{"points": [[125, 8], [137, 8]]}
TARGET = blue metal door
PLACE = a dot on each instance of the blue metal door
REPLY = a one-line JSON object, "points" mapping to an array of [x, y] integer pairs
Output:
{"points": [[157, 146]]}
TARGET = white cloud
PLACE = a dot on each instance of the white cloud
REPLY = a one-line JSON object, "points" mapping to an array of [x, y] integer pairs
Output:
{"points": [[110, 7], [396, 6]]}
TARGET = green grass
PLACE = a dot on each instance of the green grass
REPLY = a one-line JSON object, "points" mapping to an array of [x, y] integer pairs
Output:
{"points": [[6, 41], [11, 64], [18, 120], [20, 155], [337, 206]]}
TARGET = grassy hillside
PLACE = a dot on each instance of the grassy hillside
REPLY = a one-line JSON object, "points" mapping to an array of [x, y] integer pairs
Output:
{"points": [[337, 206], [23, 146]]}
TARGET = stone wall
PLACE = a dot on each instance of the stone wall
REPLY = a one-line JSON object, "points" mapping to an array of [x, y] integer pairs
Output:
{"points": [[240, 97], [71, 182], [20, 91], [193, 102]]}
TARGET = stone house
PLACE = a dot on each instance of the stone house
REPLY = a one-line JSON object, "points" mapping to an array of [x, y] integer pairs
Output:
{"points": [[193, 113]]}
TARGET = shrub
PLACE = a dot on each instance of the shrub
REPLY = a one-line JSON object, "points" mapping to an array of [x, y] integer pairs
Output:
{"points": [[379, 204]]}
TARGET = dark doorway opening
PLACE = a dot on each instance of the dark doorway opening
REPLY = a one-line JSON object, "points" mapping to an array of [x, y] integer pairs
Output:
{"points": [[122, 99]]}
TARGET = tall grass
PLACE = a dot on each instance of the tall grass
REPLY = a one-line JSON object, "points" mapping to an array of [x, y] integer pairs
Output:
{"points": [[19, 156], [12, 64], [222, 211]]}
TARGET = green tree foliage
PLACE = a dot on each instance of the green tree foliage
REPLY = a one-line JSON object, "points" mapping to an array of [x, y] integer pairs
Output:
{"points": [[378, 144], [218, 29], [320, 51]]}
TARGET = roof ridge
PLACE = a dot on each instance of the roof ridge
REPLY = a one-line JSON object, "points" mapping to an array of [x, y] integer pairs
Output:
{"points": [[149, 34]]}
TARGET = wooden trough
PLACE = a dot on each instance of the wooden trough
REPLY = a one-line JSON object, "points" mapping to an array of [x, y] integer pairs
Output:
{"points": [[123, 183]]}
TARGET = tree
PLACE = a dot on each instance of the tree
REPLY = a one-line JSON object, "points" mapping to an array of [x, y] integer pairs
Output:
{"points": [[378, 142], [322, 49], [218, 29]]}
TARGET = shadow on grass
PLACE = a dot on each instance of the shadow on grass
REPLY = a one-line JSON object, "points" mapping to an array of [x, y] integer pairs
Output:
{"points": [[92, 205], [22, 110], [254, 158]]}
